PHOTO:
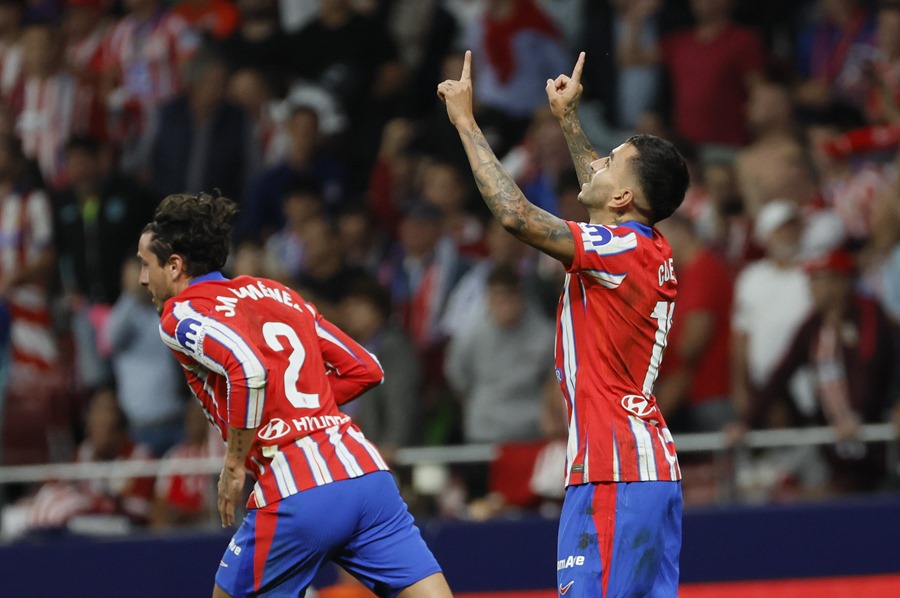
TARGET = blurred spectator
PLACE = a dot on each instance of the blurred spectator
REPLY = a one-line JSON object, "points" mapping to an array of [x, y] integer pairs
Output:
{"points": [[27, 260], [352, 56], [261, 212], [762, 331], [258, 42], [324, 276], [84, 29], [712, 68], [392, 177], [834, 53], [846, 342], [106, 439], [364, 244], [443, 185], [49, 104], [694, 386], [252, 90], [848, 187], [148, 379], [515, 49], [390, 415], [142, 60], [775, 164], [213, 18], [187, 499], [883, 75], [468, 300], [638, 79], [540, 160], [285, 249], [718, 213], [97, 218], [202, 141], [510, 337], [10, 45], [421, 271], [425, 32]]}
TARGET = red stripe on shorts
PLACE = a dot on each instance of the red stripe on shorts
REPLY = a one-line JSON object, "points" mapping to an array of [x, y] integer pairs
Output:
{"points": [[604, 505], [266, 520]]}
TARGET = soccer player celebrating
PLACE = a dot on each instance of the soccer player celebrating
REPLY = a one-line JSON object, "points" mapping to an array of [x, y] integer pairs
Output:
{"points": [[620, 528], [270, 372]]}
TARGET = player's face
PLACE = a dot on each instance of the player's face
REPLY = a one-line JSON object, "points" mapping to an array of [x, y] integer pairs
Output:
{"points": [[154, 276], [609, 176]]}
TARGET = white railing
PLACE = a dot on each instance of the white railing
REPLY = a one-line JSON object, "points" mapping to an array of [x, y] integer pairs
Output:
{"points": [[714, 442]]}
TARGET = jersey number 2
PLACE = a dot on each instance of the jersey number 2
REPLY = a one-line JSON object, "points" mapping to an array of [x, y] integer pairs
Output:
{"points": [[662, 313], [273, 332]]}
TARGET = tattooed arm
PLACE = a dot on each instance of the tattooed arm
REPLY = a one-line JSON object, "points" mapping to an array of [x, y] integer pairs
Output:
{"points": [[564, 94], [231, 480], [519, 216]]}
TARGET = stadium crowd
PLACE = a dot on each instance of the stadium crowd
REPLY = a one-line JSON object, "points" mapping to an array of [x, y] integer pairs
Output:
{"points": [[319, 117]]}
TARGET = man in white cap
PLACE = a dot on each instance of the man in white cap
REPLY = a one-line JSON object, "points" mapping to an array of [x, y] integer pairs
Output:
{"points": [[771, 299]]}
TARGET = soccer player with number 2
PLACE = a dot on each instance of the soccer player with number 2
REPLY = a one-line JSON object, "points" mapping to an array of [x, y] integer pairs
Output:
{"points": [[620, 528], [270, 371]]}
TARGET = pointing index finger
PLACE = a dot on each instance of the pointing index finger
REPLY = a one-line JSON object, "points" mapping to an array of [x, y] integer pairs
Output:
{"points": [[579, 66], [467, 67]]}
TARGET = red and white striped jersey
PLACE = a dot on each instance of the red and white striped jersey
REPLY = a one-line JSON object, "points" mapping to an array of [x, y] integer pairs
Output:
{"points": [[147, 55], [26, 234], [84, 57], [257, 355], [48, 112], [613, 318]]}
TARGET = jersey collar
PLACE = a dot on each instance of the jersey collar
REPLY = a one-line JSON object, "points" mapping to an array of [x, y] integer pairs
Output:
{"points": [[210, 277], [640, 228]]}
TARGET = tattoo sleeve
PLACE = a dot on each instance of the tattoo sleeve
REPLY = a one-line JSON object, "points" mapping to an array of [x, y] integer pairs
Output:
{"points": [[579, 146], [503, 197]]}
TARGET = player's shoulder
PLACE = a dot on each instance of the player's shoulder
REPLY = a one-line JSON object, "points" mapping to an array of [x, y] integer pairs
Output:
{"points": [[605, 240]]}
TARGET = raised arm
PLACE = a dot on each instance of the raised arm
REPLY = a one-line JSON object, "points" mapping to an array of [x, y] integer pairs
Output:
{"points": [[564, 94], [520, 217]]}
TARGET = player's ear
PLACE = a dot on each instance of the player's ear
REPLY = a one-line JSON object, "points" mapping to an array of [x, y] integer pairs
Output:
{"points": [[622, 199], [175, 265]]}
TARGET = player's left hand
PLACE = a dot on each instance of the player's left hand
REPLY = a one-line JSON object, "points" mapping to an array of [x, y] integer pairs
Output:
{"points": [[231, 484], [457, 95], [564, 92]]}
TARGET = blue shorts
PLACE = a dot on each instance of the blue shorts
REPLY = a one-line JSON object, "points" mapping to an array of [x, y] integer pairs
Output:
{"points": [[620, 539], [361, 524]]}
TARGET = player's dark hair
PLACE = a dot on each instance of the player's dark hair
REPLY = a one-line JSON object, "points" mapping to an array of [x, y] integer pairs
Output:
{"points": [[661, 173], [196, 227]]}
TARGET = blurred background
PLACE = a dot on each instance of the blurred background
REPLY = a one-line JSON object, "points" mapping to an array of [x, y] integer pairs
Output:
{"points": [[320, 119]]}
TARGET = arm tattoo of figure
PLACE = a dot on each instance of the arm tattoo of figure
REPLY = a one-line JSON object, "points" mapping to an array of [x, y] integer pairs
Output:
{"points": [[579, 146], [504, 198]]}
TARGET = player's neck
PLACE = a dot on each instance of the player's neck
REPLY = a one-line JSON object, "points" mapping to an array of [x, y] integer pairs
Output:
{"points": [[617, 219]]}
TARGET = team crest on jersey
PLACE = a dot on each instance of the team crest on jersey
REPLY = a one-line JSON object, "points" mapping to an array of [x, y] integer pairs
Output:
{"points": [[276, 428], [601, 240], [638, 405], [188, 333]]}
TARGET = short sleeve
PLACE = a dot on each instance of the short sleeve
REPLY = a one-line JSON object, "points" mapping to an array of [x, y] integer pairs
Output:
{"points": [[603, 252]]}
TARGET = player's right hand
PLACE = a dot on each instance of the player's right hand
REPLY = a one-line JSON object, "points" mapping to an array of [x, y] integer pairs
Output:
{"points": [[564, 92], [231, 484]]}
